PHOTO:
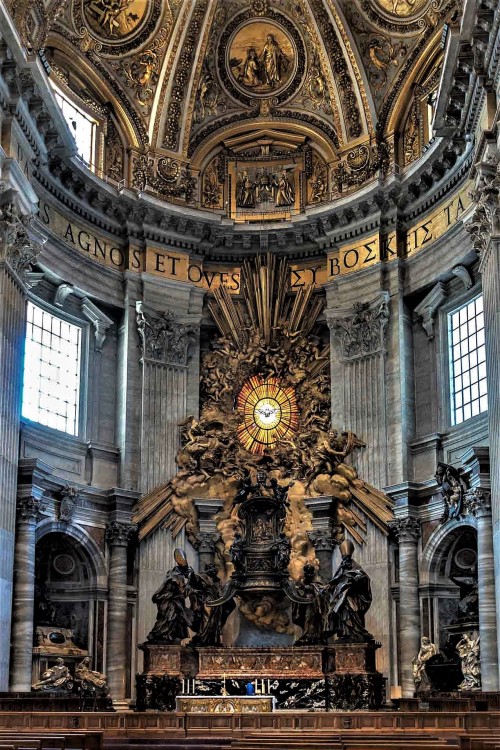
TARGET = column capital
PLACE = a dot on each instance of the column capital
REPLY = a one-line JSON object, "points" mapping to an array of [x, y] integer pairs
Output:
{"points": [[165, 338], [321, 541], [406, 529], [478, 502], [16, 245], [361, 330], [118, 534], [207, 541], [29, 509]]}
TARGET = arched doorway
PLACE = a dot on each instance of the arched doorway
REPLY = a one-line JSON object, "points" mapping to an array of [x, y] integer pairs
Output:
{"points": [[450, 555], [69, 596]]}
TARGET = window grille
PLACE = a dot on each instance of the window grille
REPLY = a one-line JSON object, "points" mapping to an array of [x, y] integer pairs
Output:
{"points": [[51, 387], [469, 393]]}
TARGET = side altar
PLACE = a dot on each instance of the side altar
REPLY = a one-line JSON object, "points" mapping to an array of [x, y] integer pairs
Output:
{"points": [[330, 666]]}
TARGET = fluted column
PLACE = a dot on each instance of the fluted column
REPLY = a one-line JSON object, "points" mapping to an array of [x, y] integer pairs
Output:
{"points": [[28, 515], [479, 502], [358, 375], [118, 651], [407, 531]]}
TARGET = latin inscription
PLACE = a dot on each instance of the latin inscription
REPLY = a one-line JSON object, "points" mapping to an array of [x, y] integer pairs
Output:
{"points": [[345, 259]]}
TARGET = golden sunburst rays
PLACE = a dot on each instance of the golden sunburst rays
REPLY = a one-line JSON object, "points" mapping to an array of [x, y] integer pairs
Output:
{"points": [[267, 305], [269, 412]]}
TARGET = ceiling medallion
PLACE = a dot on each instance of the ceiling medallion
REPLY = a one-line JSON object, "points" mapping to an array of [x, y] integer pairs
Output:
{"points": [[121, 25], [269, 412], [261, 57], [401, 9]]}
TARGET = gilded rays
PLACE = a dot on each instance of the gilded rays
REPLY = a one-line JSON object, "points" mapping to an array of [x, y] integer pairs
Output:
{"points": [[269, 413]]}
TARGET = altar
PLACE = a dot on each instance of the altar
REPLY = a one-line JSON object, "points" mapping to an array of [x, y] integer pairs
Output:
{"points": [[225, 704]]}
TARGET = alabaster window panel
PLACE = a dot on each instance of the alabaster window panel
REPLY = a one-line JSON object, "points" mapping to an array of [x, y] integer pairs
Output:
{"points": [[52, 370], [82, 127], [468, 385]]}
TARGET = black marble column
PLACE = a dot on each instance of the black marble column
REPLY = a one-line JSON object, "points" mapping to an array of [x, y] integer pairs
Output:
{"points": [[407, 531], [28, 515], [118, 650]]}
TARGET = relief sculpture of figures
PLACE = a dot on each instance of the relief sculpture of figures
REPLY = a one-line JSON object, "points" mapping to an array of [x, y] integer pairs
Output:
{"points": [[285, 194], [174, 616], [348, 597], [273, 60], [261, 59]]}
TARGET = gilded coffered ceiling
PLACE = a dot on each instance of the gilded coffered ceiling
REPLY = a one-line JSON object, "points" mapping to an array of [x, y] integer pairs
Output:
{"points": [[187, 89]]}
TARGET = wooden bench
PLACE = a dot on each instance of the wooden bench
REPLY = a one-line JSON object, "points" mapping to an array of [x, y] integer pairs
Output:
{"points": [[37, 740]]}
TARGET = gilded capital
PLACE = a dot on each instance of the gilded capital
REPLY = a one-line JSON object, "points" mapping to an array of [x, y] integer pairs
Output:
{"points": [[406, 529], [118, 534]]}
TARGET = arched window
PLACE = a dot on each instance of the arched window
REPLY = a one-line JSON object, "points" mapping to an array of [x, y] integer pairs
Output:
{"points": [[83, 127]]}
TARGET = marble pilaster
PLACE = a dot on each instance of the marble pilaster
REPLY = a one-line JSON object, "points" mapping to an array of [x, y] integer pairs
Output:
{"points": [[407, 531], [28, 515], [167, 319], [321, 534], [117, 537], [358, 365], [208, 535], [18, 252], [484, 230], [479, 502]]}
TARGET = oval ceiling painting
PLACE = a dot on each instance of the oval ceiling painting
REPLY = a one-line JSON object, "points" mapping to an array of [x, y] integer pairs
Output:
{"points": [[261, 58], [114, 20]]}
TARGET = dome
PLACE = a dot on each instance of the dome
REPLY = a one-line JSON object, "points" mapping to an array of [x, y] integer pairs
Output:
{"points": [[221, 118]]}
